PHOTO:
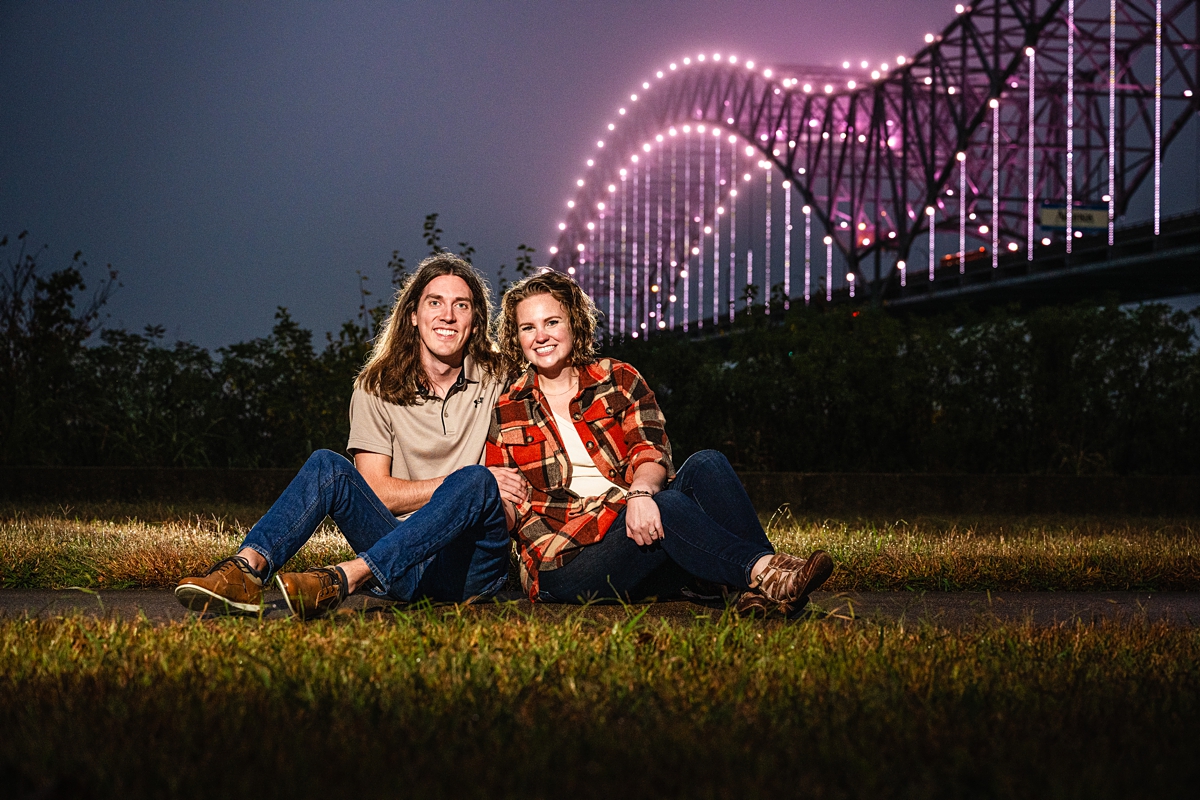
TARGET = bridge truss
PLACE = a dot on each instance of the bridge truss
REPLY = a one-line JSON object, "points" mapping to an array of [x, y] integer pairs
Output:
{"points": [[723, 183]]}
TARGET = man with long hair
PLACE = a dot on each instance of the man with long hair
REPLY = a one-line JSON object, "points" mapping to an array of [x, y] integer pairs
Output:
{"points": [[425, 518]]}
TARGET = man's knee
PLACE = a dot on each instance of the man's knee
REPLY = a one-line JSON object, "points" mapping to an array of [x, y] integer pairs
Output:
{"points": [[475, 478], [327, 461]]}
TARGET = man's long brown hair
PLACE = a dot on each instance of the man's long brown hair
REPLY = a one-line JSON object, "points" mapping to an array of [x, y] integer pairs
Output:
{"points": [[394, 372], [581, 315]]}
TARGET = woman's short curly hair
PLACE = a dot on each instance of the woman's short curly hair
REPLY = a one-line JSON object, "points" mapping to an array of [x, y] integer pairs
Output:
{"points": [[581, 314]]}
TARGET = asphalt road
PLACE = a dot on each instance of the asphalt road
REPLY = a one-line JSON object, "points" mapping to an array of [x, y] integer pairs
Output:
{"points": [[950, 609]]}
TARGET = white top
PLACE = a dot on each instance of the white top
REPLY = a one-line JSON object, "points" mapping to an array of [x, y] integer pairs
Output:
{"points": [[586, 479]]}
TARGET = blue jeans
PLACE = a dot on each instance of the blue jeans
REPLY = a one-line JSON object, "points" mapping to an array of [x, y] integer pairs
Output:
{"points": [[454, 548], [710, 532]]}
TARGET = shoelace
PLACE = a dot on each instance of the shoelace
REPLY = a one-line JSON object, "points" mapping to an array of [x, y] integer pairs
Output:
{"points": [[241, 564], [333, 577], [238, 561]]}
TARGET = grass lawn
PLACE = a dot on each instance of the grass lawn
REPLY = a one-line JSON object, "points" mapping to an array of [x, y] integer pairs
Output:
{"points": [[111, 546], [443, 703], [447, 702]]}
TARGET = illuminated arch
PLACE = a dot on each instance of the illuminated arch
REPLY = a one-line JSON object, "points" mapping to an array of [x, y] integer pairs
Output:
{"points": [[871, 149]]}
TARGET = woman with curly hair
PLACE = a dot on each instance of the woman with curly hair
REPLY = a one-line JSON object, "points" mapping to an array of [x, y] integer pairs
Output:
{"points": [[606, 515]]}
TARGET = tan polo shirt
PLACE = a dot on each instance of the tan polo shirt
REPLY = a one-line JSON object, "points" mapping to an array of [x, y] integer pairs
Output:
{"points": [[432, 437]]}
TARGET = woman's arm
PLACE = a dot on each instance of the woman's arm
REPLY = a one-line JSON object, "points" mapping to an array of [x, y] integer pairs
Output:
{"points": [[643, 523], [642, 423]]}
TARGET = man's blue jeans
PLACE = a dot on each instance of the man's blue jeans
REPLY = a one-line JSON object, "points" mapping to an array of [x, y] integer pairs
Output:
{"points": [[453, 548], [710, 531]]}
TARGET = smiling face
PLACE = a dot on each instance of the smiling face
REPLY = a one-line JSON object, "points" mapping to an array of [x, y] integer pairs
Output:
{"points": [[544, 333], [444, 318]]}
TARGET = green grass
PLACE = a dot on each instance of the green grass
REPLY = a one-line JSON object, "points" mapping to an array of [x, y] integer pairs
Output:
{"points": [[462, 703], [1002, 553], [123, 546]]}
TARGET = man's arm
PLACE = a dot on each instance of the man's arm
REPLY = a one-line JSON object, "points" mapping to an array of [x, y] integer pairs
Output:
{"points": [[400, 496]]}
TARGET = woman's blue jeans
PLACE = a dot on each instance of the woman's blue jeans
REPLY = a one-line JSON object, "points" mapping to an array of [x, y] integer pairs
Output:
{"points": [[453, 548], [710, 531]]}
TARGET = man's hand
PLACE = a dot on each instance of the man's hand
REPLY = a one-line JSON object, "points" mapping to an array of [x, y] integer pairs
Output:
{"points": [[643, 523], [513, 487]]}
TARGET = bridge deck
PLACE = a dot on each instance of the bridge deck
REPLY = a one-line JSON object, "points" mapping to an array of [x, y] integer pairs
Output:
{"points": [[1139, 266]]}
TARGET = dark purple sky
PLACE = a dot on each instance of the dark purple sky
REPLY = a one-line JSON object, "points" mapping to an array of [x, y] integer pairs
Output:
{"points": [[228, 158]]}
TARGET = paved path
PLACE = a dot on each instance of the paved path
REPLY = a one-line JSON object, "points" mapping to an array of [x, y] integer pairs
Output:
{"points": [[952, 609]]}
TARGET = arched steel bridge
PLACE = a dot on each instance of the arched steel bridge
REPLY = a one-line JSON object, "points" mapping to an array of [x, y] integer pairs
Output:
{"points": [[1024, 124]]}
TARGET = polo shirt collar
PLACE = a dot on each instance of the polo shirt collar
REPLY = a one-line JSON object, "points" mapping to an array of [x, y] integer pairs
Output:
{"points": [[467, 375]]}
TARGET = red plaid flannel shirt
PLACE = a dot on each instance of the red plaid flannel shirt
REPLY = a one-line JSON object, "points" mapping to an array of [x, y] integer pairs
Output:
{"points": [[620, 424]]}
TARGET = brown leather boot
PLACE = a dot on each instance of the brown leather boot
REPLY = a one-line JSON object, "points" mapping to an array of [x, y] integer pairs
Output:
{"points": [[782, 589], [314, 592], [230, 586]]}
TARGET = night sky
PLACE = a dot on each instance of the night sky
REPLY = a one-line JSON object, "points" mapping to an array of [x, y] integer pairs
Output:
{"points": [[228, 158]]}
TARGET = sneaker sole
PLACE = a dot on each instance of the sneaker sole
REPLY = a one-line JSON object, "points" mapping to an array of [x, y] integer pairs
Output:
{"points": [[197, 598], [287, 600]]}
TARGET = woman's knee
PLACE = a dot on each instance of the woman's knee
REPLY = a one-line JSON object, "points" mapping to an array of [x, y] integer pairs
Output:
{"points": [[672, 505], [705, 462], [708, 458]]}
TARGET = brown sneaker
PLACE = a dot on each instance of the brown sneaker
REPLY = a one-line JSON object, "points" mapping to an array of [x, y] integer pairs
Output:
{"points": [[229, 587], [314, 592], [782, 589]]}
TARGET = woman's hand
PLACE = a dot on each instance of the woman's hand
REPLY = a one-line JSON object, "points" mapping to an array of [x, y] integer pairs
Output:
{"points": [[511, 483], [643, 523], [514, 490]]}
